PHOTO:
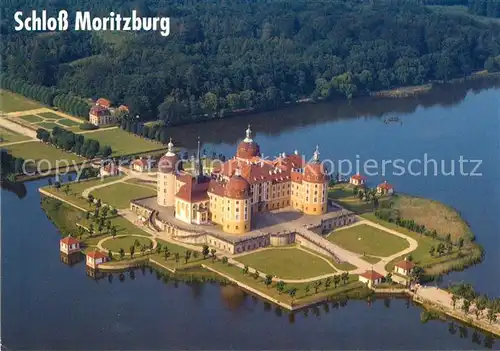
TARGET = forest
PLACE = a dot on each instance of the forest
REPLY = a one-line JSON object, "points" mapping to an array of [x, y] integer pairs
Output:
{"points": [[225, 57]]}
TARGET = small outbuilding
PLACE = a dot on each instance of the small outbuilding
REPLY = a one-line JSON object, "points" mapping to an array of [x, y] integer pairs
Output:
{"points": [[357, 180], [404, 267], [385, 188], [69, 245], [140, 165], [95, 258], [371, 278]]}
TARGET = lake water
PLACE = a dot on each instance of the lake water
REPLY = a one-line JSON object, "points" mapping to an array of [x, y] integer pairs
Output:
{"points": [[46, 304]]}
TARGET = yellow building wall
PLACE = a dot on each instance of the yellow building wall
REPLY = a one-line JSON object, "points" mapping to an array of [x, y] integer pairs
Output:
{"points": [[237, 216], [315, 198]]}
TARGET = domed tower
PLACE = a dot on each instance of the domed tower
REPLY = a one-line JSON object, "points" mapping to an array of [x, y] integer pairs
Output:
{"points": [[167, 169], [315, 186], [237, 211], [248, 148]]}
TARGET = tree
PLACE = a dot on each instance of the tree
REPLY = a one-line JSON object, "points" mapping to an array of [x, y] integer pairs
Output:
{"points": [[187, 256], [113, 232], [466, 306], [388, 277], [454, 299], [307, 289], [224, 260], [316, 285], [336, 280], [268, 280], [292, 292], [167, 254], [432, 250], [280, 286], [212, 252], [328, 282], [492, 316], [205, 251], [345, 277], [176, 257], [132, 251], [245, 270], [256, 274], [110, 255], [122, 253], [460, 244]]}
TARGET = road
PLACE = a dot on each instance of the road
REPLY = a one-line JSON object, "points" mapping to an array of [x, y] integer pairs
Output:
{"points": [[17, 128]]}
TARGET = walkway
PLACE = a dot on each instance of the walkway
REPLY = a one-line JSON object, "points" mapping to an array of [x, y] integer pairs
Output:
{"points": [[100, 247], [17, 128], [87, 191], [44, 110], [17, 142]]}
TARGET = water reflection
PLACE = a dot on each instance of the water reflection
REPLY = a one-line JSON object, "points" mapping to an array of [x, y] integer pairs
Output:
{"points": [[232, 297], [71, 259], [274, 123]]}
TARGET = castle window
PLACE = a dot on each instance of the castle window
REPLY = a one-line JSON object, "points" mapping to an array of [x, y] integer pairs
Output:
{"points": [[236, 227]]}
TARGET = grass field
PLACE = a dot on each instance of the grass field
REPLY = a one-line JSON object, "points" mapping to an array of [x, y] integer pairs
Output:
{"points": [[124, 143], [8, 136], [48, 125], [368, 240], [67, 122], [432, 214], [125, 242], [119, 195], [75, 190], [287, 263], [10, 102], [50, 115], [31, 118], [352, 288], [39, 151], [343, 194], [141, 182]]}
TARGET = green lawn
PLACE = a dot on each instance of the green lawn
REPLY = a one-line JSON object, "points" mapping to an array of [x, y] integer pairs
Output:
{"points": [[39, 151], [124, 143], [343, 194], [10, 102], [75, 190], [420, 255], [50, 115], [370, 259], [68, 122], [352, 288], [287, 263], [48, 125], [8, 136], [369, 240], [119, 195], [31, 118], [125, 242]]}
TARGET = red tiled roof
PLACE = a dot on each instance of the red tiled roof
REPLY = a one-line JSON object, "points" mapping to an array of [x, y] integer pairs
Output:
{"points": [[192, 191], [99, 110], [358, 177], [69, 240], [123, 108], [140, 162], [385, 186], [96, 254], [103, 102], [372, 275], [405, 264]]}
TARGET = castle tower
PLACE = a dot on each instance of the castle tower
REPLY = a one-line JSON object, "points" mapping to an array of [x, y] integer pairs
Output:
{"points": [[237, 212], [167, 169], [315, 186], [247, 148]]}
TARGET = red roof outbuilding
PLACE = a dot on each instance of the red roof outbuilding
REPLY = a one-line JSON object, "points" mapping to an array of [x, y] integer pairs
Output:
{"points": [[405, 264], [372, 275], [69, 240], [96, 254]]}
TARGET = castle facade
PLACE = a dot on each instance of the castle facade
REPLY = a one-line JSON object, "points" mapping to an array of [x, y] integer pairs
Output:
{"points": [[233, 191]]}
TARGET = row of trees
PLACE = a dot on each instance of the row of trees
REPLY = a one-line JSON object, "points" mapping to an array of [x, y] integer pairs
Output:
{"points": [[469, 301], [76, 143], [49, 96], [270, 53], [11, 165]]}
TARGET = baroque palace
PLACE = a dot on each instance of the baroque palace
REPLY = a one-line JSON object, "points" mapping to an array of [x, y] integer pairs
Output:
{"points": [[241, 187], [245, 203]]}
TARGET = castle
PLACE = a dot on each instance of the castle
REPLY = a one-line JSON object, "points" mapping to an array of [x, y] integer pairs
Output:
{"points": [[244, 185]]}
